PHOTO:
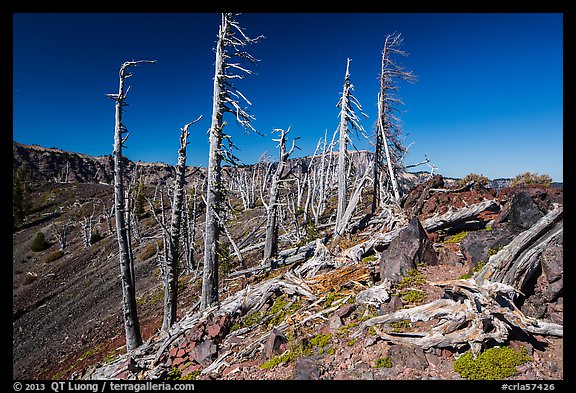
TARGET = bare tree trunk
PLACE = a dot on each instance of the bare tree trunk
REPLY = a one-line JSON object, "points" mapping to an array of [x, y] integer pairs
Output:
{"points": [[222, 101], [388, 125], [271, 242], [342, 146], [387, 153], [347, 116], [213, 198], [130, 314], [171, 271]]}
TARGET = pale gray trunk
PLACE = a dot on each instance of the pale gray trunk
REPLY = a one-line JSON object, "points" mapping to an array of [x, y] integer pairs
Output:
{"points": [[171, 278], [387, 152], [271, 242], [225, 99], [209, 295], [129, 310], [342, 143]]}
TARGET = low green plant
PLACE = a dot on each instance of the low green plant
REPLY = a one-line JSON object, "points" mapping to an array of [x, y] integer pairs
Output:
{"points": [[528, 178], [479, 266], [385, 362], [343, 330], [411, 278], [321, 340], [464, 276], [369, 258], [494, 251], [330, 298], [39, 243], [191, 376], [399, 326], [493, 363], [457, 238], [96, 236], [479, 180], [413, 295], [351, 342]]}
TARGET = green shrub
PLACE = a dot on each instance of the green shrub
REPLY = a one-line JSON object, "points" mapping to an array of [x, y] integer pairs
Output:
{"points": [[54, 255], [528, 178], [96, 236], [385, 362], [39, 243], [493, 363], [479, 180]]}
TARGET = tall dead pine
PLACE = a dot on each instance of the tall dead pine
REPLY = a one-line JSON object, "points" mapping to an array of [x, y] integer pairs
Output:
{"points": [[389, 150], [226, 98], [348, 120], [170, 270], [129, 311], [271, 242]]}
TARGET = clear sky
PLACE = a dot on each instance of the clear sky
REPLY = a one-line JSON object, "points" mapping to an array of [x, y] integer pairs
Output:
{"points": [[488, 99]]}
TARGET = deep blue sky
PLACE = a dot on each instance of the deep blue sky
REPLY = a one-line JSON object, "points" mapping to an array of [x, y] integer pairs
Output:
{"points": [[488, 97]]}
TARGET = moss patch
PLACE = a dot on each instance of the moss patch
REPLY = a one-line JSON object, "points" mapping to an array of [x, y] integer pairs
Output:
{"points": [[493, 363], [413, 277], [400, 326], [457, 238], [385, 362]]}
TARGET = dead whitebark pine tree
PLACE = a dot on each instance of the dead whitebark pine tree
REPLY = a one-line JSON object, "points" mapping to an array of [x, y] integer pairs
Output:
{"points": [[271, 242], [172, 237], [389, 147], [226, 98], [129, 310], [348, 121]]}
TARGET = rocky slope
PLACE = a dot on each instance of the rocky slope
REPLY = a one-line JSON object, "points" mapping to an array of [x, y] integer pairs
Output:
{"points": [[305, 320]]}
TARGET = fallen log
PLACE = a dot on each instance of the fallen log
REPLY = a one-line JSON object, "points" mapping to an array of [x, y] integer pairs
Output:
{"points": [[517, 261], [382, 240], [452, 218], [470, 314]]}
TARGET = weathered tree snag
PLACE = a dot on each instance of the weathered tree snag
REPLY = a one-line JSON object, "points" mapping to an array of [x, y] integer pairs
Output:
{"points": [[225, 99], [173, 237], [61, 232], [271, 242], [517, 261], [389, 144], [348, 120], [342, 227], [131, 323], [469, 315]]}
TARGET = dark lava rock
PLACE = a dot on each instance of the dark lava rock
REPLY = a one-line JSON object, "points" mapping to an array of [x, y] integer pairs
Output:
{"points": [[306, 368], [520, 211], [273, 344], [410, 247], [479, 245]]}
